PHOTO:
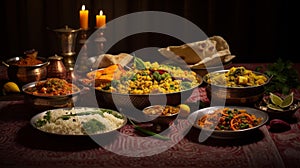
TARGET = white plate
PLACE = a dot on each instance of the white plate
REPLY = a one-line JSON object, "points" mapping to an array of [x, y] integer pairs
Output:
{"points": [[227, 134], [85, 114]]}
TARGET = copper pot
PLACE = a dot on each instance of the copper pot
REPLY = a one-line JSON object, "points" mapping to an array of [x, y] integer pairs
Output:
{"points": [[26, 74], [56, 69]]}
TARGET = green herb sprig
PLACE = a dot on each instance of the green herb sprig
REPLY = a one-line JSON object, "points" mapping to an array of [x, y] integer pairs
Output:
{"points": [[284, 77], [44, 121], [138, 63]]}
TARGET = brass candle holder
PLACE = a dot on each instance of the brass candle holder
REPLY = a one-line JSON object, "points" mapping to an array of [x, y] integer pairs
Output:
{"points": [[83, 36], [90, 49], [80, 67], [100, 40]]}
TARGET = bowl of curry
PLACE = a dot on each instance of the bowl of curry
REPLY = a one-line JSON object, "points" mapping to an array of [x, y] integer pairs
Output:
{"points": [[235, 86], [51, 93], [26, 69]]}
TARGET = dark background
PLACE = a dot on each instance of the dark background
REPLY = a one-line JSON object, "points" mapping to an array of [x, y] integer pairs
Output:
{"points": [[257, 31]]}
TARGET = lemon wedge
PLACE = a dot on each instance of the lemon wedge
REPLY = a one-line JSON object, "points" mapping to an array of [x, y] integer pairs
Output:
{"points": [[279, 103], [274, 107], [184, 110], [10, 87], [275, 99], [287, 101]]}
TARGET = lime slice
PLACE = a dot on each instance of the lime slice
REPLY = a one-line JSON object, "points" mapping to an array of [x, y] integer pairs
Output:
{"points": [[287, 101], [275, 99], [274, 107]]}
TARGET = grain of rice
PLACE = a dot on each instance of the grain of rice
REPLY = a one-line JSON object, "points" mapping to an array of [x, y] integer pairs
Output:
{"points": [[74, 125]]}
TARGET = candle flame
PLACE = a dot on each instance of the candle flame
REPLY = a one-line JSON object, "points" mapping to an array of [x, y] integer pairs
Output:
{"points": [[83, 7], [101, 12]]}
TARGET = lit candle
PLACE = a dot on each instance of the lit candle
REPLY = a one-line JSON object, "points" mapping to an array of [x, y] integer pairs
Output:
{"points": [[100, 19], [84, 18]]}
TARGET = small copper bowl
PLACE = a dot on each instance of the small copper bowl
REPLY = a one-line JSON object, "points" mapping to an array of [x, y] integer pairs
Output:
{"points": [[26, 74]]}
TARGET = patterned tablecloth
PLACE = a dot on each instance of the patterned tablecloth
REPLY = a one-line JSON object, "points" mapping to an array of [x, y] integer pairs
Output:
{"points": [[23, 146]]}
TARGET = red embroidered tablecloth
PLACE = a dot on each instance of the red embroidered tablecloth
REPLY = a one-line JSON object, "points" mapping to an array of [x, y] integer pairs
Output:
{"points": [[23, 146]]}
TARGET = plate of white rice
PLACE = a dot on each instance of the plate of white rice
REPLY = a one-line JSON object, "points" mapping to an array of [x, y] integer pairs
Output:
{"points": [[78, 121]]}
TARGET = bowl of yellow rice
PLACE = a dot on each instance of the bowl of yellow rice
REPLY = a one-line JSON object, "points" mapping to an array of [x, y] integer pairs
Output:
{"points": [[131, 90]]}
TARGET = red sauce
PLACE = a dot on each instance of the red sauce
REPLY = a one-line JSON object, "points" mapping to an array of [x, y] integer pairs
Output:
{"points": [[28, 61], [53, 87]]}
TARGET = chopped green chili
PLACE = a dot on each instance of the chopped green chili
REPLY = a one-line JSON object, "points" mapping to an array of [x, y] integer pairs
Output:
{"points": [[153, 134]]}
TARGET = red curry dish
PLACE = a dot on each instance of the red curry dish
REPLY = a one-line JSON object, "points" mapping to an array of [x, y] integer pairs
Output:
{"points": [[28, 61], [53, 87]]}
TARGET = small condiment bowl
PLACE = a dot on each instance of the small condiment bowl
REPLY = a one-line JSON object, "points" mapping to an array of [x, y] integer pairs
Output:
{"points": [[161, 113], [285, 113], [162, 116]]}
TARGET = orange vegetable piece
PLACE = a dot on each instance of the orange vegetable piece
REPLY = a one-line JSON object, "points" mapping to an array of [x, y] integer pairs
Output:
{"points": [[107, 74], [236, 120]]}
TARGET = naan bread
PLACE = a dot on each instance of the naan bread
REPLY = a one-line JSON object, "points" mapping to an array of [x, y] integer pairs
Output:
{"points": [[200, 53], [212, 62], [106, 60]]}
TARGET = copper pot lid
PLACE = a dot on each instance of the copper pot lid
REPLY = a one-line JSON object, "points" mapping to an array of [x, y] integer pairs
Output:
{"points": [[66, 29], [55, 57]]}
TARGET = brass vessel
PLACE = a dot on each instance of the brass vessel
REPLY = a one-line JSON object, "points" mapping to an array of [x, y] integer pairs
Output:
{"points": [[56, 69], [25, 74]]}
